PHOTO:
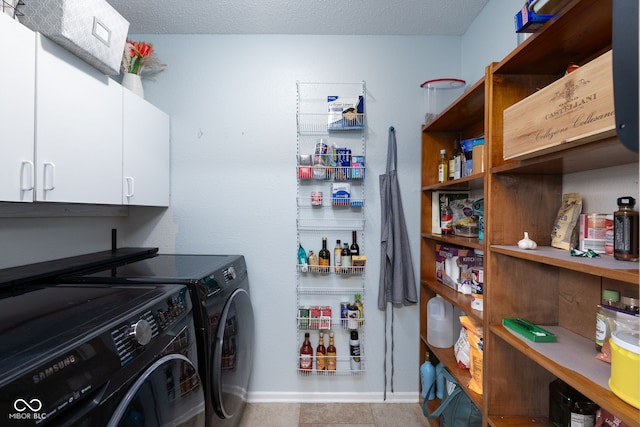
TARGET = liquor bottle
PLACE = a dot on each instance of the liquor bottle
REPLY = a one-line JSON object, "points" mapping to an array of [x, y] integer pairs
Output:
{"points": [[443, 166], [358, 303], [459, 160], [354, 351], [345, 259], [306, 354], [324, 257], [446, 218], [355, 249], [337, 257], [321, 354], [331, 354]]}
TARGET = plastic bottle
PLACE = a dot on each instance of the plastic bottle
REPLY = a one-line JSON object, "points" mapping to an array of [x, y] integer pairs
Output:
{"points": [[427, 378], [625, 230], [354, 351], [302, 259], [443, 166], [439, 322]]}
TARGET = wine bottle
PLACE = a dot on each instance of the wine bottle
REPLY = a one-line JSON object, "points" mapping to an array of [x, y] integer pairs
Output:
{"points": [[345, 259], [337, 257], [321, 354], [355, 249], [324, 257], [331, 354], [306, 354]]}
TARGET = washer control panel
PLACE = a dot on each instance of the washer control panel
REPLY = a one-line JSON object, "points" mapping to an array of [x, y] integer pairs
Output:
{"points": [[133, 335]]}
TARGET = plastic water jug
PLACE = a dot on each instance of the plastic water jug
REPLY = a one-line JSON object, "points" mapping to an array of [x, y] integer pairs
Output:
{"points": [[439, 322]]}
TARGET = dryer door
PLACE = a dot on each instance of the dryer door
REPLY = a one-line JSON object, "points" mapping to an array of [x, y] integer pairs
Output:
{"points": [[168, 393], [232, 355]]}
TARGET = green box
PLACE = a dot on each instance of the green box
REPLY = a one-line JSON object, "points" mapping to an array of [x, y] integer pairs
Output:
{"points": [[528, 330]]}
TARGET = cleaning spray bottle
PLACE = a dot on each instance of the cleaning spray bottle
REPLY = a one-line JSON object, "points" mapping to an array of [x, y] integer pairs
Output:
{"points": [[428, 377]]}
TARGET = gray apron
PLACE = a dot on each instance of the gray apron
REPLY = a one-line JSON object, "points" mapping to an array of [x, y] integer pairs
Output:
{"points": [[397, 281]]}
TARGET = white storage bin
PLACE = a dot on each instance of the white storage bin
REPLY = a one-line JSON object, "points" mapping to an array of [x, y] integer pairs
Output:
{"points": [[91, 29]]}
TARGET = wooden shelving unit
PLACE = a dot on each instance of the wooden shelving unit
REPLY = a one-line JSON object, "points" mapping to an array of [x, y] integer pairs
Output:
{"points": [[546, 286]]}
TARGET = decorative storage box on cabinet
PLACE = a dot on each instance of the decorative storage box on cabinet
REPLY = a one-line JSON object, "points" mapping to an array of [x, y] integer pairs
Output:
{"points": [[330, 172]]}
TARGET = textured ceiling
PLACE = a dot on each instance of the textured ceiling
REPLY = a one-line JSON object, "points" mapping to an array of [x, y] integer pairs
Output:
{"points": [[327, 17]]}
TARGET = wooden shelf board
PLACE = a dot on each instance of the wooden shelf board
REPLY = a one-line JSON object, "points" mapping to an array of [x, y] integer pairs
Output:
{"points": [[498, 421], [604, 266], [471, 182], [579, 32], [604, 153], [462, 375], [463, 302], [466, 111], [568, 359], [469, 242]]}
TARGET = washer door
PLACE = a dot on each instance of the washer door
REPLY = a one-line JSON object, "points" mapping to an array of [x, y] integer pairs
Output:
{"points": [[232, 355], [168, 393]]}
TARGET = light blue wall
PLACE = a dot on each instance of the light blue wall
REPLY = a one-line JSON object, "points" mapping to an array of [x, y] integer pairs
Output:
{"points": [[232, 100]]}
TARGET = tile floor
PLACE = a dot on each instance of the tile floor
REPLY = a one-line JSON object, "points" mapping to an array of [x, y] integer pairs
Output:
{"points": [[333, 414]]}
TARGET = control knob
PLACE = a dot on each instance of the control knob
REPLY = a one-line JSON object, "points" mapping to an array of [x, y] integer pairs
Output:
{"points": [[141, 331]]}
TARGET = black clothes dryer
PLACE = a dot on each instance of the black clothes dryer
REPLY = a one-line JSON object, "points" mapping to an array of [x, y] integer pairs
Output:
{"points": [[96, 355], [223, 315]]}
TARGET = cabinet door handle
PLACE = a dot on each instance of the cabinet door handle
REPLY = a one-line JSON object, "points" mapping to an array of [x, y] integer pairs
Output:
{"points": [[49, 181], [130, 186], [26, 175]]}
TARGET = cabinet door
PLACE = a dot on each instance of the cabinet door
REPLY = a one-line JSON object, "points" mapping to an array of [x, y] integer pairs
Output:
{"points": [[17, 62], [146, 153], [78, 130]]}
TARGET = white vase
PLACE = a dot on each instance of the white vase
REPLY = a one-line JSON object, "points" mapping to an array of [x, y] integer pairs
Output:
{"points": [[133, 82]]}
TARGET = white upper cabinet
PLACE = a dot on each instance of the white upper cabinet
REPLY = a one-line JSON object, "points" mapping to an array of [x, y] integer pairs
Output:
{"points": [[17, 62], [78, 130], [146, 153]]}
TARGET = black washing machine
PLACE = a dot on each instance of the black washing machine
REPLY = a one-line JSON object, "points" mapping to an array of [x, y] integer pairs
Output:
{"points": [[97, 355], [223, 315]]}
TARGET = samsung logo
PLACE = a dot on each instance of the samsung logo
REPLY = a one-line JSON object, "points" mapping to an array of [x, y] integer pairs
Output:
{"points": [[53, 369]]}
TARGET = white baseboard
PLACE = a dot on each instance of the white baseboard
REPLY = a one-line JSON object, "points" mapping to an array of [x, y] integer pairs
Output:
{"points": [[354, 397]]}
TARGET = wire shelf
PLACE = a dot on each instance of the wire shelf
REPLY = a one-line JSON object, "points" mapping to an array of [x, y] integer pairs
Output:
{"points": [[342, 365], [312, 290], [340, 271], [329, 202], [328, 323], [327, 224], [318, 123], [341, 173]]}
